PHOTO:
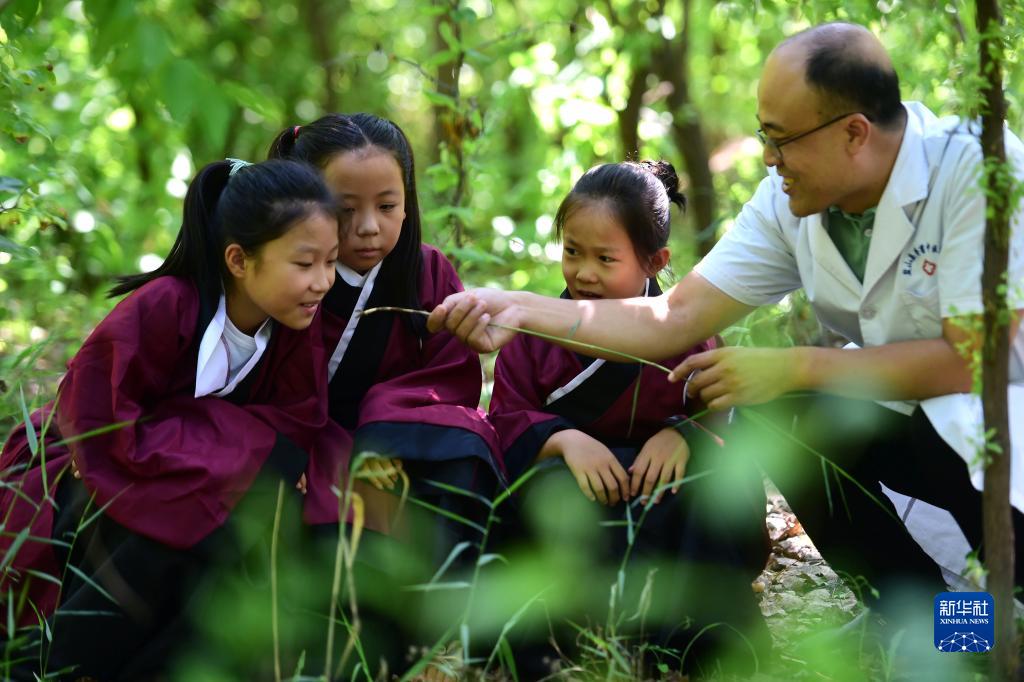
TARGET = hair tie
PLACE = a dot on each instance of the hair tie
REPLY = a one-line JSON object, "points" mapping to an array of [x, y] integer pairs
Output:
{"points": [[295, 132], [236, 164]]}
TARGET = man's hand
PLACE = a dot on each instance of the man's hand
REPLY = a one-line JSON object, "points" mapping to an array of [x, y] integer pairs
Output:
{"points": [[727, 377], [662, 459], [468, 314], [598, 474]]}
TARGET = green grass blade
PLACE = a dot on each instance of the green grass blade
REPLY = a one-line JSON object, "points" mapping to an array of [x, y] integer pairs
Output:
{"points": [[459, 491], [91, 583], [452, 556], [765, 422], [448, 515], [30, 430], [438, 587], [516, 485], [12, 551]]}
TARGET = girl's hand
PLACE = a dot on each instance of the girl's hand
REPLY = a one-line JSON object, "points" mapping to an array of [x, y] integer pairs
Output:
{"points": [[598, 474], [381, 472], [301, 485], [661, 460]]}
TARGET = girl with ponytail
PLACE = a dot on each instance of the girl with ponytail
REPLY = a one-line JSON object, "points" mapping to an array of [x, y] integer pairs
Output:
{"points": [[620, 432], [400, 392], [205, 377]]}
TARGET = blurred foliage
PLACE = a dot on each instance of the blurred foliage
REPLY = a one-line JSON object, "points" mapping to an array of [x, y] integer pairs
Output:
{"points": [[107, 107]]}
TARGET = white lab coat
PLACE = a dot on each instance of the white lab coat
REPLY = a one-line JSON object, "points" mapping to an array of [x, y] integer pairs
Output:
{"points": [[924, 263]]}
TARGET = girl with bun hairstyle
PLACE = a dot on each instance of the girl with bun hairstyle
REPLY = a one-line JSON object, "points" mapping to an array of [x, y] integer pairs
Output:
{"points": [[620, 442]]}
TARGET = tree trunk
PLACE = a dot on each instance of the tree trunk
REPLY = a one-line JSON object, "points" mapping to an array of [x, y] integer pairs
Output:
{"points": [[319, 23], [629, 118], [687, 130], [998, 525], [449, 125]]}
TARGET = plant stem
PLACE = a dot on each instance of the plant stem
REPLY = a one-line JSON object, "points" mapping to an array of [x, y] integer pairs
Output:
{"points": [[547, 337], [273, 581]]}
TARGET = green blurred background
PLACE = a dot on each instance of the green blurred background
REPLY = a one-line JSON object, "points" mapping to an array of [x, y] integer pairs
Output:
{"points": [[108, 107]]}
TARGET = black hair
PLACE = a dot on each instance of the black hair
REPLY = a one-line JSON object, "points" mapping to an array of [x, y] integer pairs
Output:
{"points": [[848, 79], [255, 205], [639, 192], [317, 143]]}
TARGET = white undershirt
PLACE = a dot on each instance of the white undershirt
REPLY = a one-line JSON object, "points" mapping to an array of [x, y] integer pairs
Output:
{"points": [[226, 354]]}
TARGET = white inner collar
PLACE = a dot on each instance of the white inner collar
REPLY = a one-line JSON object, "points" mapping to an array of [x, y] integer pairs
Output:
{"points": [[226, 354], [350, 276]]}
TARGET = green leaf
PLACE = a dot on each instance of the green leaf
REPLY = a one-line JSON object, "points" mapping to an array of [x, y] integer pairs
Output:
{"points": [[91, 583], [489, 558], [179, 85], [447, 514], [18, 15], [448, 35], [30, 430], [214, 114], [112, 21], [459, 491], [441, 100], [452, 556], [250, 98], [472, 254], [9, 185], [439, 58], [438, 587], [12, 550], [151, 45]]}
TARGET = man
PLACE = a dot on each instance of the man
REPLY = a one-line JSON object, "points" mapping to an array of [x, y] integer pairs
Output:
{"points": [[874, 208]]}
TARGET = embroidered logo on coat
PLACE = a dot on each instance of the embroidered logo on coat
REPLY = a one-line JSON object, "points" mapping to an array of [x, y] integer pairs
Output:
{"points": [[918, 251]]}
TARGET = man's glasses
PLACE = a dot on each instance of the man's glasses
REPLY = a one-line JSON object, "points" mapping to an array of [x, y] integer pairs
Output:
{"points": [[775, 146]]}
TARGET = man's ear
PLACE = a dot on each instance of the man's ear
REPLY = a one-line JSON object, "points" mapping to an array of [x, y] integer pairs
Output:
{"points": [[658, 261], [858, 131], [234, 258]]}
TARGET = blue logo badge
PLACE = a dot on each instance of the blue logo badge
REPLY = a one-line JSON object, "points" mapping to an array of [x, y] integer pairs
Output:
{"points": [[964, 622]]}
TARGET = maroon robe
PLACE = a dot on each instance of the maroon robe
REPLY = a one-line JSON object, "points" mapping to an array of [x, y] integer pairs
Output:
{"points": [[175, 472], [530, 369], [415, 395]]}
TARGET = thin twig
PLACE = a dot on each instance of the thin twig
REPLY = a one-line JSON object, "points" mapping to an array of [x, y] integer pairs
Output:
{"points": [[547, 337]]}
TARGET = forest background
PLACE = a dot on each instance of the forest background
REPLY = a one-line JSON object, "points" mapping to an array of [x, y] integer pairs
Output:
{"points": [[107, 108]]}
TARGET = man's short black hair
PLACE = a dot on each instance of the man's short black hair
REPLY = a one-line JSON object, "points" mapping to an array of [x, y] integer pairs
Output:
{"points": [[847, 78]]}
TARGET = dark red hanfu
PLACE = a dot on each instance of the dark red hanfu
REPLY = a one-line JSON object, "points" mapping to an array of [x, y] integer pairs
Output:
{"points": [[402, 393], [180, 465], [541, 388]]}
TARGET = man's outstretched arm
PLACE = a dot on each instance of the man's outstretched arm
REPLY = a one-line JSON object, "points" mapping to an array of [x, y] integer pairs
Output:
{"points": [[652, 328]]}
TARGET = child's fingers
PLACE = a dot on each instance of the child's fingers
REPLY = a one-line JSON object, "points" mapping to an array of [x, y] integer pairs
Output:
{"points": [[581, 481], [597, 486], [639, 469], [611, 486], [622, 479], [679, 473], [663, 480], [651, 479], [375, 473]]}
